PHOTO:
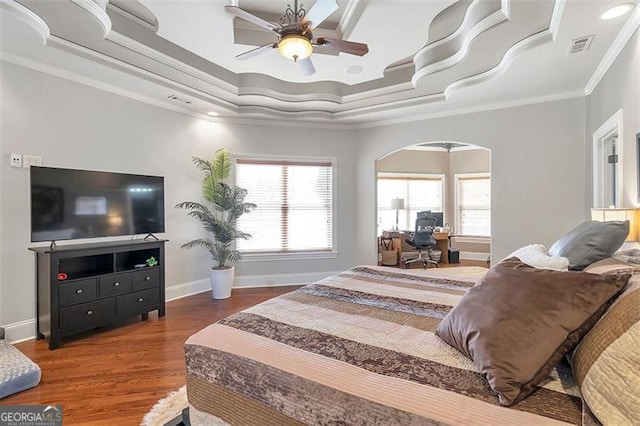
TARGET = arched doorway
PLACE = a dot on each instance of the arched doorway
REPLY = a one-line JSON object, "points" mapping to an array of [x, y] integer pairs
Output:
{"points": [[452, 180]]}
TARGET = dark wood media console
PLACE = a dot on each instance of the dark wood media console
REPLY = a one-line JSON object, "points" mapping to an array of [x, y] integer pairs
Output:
{"points": [[101, 283]]}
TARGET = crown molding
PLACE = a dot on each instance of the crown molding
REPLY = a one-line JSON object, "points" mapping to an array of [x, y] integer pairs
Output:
{"points": [[556, 17], [86, 81], [390, 105], [160, 57], [425, 59], [97, 13], [350, 17], [272, 94], [96, 84], [625, 34], [471, 110], [269, 101], [513, 52], [28, 17], [116, 9]]}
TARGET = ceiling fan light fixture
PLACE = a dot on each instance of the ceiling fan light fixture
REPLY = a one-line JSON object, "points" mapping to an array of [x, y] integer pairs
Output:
{"points": [[295, 47]]}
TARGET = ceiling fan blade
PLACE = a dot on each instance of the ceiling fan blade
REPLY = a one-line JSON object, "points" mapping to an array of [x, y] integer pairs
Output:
{"points": [[320, 11], [255, 52], [306, 66], [243, 14], [350, 47]]}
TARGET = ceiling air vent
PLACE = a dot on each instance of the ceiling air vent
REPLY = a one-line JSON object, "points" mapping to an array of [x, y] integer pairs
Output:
{"points": [[177, 99], [580, 44]]}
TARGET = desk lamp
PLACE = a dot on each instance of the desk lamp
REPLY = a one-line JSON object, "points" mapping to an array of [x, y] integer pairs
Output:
{"points": [[397, 204]]}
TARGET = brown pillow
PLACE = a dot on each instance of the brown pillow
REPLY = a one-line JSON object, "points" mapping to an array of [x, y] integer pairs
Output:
{"points": [[519, 321]]}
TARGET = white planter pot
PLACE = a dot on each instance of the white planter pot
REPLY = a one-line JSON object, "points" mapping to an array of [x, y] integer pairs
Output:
{"points": [[221, 282]]}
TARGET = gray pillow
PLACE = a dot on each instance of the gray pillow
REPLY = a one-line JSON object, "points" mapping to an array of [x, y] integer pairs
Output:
{"points": [[589, 242]]}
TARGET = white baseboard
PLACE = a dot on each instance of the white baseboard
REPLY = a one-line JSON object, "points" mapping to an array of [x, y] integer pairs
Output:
{"points": [[20, 331], [247, 281], [474, 255], [275, 280], [179, 291], [26, 330]]}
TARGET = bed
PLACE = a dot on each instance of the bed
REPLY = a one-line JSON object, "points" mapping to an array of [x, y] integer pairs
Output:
{"points": [[357, 348]]}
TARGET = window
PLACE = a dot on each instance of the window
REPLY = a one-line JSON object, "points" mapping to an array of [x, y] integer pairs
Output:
{"points": [[473, 204], [420, 192], [295, 205]]}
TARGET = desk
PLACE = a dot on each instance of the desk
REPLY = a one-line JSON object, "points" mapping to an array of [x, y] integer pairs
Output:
{"points": [[400, 245]]}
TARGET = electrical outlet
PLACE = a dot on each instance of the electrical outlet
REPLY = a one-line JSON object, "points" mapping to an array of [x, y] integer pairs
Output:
{"points": [[16, 160], [31, 160]]}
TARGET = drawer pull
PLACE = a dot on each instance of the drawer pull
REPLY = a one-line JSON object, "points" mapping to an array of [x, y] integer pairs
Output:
{"points": [[147, 278], [140, 299], [116, 284], [89, 312], [79, 291]]}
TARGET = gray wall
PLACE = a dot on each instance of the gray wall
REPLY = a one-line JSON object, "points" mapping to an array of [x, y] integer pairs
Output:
{"points": [[620, 88], [75, 126], [537, 169]]}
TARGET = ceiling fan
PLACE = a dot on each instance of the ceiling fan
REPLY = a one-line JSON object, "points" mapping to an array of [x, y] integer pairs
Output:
{"points": [[295, 37]]}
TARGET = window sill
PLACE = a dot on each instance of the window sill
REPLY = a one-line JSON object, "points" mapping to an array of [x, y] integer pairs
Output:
{"points": [[275, 257], [473, 239]]}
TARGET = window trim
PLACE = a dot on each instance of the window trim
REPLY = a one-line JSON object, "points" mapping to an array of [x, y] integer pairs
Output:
{"points": [[268, 256], [463, 238], [442, 177]]}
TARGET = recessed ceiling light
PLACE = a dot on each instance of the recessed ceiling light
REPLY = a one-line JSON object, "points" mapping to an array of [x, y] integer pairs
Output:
{"points": [[212, 113], [353, 69], [616, 11]]}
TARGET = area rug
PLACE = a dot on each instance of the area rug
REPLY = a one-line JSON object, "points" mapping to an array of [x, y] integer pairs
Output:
{"points": [[166, 409]]}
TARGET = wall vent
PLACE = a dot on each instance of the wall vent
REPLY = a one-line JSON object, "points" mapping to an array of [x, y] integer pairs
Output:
{"points": [[177, 99], [580, 44]]}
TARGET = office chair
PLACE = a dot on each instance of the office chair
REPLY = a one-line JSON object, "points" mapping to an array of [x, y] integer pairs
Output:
{"points": [[423, 240]]}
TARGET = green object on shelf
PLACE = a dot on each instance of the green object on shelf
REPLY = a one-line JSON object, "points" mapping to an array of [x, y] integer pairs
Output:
{"points": [[151, 261]]}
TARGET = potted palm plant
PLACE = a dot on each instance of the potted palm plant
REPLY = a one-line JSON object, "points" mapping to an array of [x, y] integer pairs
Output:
{"points": [[219, 216]]}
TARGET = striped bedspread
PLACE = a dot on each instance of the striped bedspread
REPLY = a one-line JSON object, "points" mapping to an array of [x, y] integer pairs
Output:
{"points": [[357, 348]]}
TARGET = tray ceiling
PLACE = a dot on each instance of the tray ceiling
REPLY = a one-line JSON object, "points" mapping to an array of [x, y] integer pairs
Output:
{"points": [[424, 56]]}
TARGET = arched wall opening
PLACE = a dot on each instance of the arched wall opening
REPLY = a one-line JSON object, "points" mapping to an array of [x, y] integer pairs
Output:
{"points": [[451, 179], [540, 182]]}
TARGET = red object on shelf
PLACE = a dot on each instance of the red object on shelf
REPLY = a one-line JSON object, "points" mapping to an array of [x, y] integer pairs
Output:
{"points": [[62, 276]]}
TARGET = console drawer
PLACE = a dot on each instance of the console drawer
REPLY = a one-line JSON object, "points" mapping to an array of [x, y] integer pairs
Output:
{"points": [[139, 301], [146, 278], [113, 284], [87, 315], [73, 292]]}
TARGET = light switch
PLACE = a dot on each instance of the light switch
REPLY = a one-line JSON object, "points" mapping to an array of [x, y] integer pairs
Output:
{"points": [[31, 160]]}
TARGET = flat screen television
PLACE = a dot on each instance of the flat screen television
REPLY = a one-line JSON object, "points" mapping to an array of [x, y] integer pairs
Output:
{"points": [[71, 204]]}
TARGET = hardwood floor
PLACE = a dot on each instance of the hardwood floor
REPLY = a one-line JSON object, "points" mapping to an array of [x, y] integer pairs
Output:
{"points": [[115, 375]]}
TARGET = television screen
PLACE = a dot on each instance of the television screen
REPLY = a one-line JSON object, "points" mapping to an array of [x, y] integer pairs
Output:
{"points": [[68, 204]]}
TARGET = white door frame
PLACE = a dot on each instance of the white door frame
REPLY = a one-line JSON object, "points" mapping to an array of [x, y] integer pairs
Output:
{"points": [[612, 126]]}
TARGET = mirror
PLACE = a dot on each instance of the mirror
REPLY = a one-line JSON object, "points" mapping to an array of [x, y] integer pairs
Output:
{"points": [[607, 163]]}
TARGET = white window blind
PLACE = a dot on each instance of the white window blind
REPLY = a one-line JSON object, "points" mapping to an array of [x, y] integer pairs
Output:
{"points": [[420, 193], [473, 205], [294, 199]]}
